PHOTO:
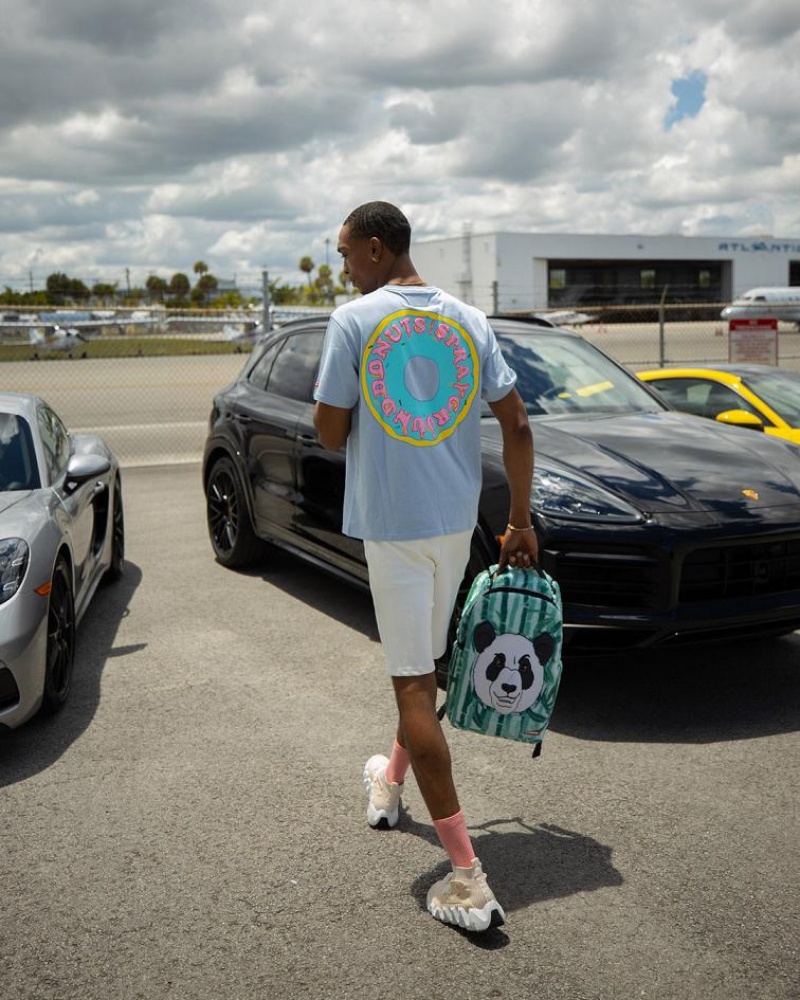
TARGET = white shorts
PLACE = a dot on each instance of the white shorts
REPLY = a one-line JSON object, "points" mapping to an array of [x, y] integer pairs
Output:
{"points": [[414, 587]]}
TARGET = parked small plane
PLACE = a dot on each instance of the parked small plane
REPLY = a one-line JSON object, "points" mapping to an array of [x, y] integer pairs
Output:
{"points": [[88, 324], [55, 339], [766, 303], [564, 317], [245, 335], [43, 337]]}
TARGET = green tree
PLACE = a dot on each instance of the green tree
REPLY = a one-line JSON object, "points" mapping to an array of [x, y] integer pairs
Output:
{"points": [[179, 285], [307, 265], [57, 285], [206, 284], [200, 267], [156, 287], [78, 291], [104, 292], [228, 300], [282, 295], [324, 283]]}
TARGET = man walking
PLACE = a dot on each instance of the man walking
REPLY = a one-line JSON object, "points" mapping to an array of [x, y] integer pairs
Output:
{"points": [[403, 372]]}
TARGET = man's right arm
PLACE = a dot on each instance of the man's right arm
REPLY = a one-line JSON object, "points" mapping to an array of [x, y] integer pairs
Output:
{"points": [[520, 547], [332, 424]]}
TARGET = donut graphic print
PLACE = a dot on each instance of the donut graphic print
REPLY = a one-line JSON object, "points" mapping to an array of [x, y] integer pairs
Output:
{"points": [[419, 376]]}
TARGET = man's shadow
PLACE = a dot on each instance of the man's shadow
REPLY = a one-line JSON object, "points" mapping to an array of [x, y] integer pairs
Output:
{"points": [[526, 865], [40, 741]]}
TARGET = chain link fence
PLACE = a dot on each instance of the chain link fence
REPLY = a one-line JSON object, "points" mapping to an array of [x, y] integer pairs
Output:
{"points": [[147, 386]]}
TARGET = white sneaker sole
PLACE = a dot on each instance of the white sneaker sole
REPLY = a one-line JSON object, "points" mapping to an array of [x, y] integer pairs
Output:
{"points": [[470, 918]]}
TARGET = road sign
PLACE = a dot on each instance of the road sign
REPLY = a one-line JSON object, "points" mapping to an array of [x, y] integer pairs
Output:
{"points": [[753, 341]]}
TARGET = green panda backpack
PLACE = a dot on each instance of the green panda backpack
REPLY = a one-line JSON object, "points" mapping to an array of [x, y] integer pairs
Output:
{"points": [[505, 665]]}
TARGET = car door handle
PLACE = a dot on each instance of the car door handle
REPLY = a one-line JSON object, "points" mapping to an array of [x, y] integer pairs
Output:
{"points": [[242, 418], [308, 438]]}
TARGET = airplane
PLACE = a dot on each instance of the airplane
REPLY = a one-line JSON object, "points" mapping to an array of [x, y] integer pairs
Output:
{"points": [[247, 335], [565, 317], [57, 340], [89, 324], [766, 303]]}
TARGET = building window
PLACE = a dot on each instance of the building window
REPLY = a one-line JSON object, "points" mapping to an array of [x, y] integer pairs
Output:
{"points": [[647, 278], [558, 277], [704, 279]]}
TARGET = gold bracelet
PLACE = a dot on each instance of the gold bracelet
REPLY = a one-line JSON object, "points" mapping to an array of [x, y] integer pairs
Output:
{"points": [[512, 527]]}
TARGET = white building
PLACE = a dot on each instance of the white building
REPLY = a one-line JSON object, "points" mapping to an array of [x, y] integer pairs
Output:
{"points": [[501, 272]]}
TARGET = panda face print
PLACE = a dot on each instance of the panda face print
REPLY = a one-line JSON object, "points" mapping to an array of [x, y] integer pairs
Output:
{"points": [[508, 674]]}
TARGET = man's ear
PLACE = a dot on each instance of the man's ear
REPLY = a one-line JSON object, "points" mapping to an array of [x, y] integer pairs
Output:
{"points": [[375, 247]]}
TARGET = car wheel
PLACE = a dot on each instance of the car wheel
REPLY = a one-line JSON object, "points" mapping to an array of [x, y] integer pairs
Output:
{"points": [[60, 640], [232, 536], [117, 565]]}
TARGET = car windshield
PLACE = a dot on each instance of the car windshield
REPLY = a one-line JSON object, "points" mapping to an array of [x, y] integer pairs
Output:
{"points": [[18, 469], [560, 375], [780, 391]]}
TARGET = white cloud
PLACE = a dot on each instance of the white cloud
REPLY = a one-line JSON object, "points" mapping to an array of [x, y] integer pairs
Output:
{"points": [[150, 136]]}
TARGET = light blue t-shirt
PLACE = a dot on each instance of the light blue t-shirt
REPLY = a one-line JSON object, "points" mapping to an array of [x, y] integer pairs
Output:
{"points": [[413, 364]]}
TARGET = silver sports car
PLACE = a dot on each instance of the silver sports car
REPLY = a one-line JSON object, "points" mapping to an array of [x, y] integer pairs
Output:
{"points": [[61, 532]]}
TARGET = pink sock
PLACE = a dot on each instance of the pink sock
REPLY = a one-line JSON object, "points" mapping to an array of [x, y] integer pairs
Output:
{"points": [[398, 765], [455, 839]]}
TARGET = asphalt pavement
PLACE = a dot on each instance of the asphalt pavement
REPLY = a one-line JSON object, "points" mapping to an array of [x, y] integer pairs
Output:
{"points": [[193, 824]]}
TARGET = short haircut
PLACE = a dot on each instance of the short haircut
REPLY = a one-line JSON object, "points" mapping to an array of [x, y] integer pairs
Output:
{"points": [[379, 218]]}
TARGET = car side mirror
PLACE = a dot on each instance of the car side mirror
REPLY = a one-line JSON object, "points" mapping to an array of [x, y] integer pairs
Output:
{"points": [[741, 418], [82, 468]]}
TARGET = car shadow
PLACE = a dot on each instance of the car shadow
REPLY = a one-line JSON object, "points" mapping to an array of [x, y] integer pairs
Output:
{"points": [[688, 694], [341, 600], [37, 744], [726, 691]]}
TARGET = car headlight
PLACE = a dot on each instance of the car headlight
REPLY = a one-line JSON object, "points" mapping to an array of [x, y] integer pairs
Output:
{"points": [[562, 495], [14, 555]]}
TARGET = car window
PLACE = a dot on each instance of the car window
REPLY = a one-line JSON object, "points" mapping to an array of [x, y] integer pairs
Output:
{"points": [[703, 397], [558, 375], [55, 440], [18, 469], [780, 391], [258, 375], [295, 368]]}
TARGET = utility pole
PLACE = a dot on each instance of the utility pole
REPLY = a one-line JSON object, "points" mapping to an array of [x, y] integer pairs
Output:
{"points": [[266, 316]]}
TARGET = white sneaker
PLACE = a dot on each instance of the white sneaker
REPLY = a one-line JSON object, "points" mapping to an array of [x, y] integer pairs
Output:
{"points": [[383, 808], [463, 898]]}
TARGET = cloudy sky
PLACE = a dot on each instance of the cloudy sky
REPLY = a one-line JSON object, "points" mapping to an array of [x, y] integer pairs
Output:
{"points": [[153, 133]]}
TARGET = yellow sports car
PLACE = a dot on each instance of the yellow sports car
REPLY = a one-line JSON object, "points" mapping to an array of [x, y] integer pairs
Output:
{"points": [[761, 397]]}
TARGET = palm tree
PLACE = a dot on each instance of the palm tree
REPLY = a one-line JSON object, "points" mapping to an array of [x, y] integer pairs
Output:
{"points": [[200, 267], [307, 266]]}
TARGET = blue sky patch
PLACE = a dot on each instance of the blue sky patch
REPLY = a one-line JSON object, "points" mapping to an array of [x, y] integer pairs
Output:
{"points": [[690, 95]]}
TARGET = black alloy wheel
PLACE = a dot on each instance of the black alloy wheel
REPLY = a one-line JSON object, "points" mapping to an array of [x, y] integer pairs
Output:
{"points": [[60, 640], [232, 537], [117, 565]]}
